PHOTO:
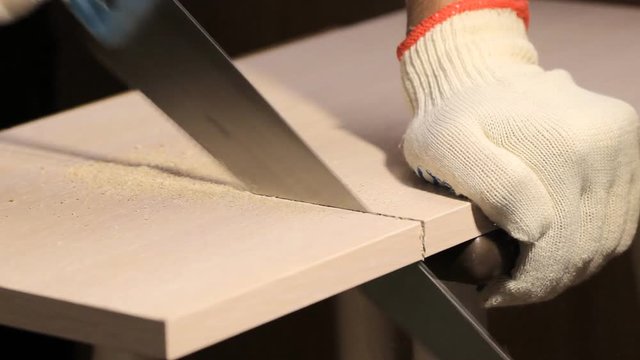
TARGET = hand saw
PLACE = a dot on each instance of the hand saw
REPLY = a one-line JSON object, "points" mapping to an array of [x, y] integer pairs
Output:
{"points": [[157, 47]]}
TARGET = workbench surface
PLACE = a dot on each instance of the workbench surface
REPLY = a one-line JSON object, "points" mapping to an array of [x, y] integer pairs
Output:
{"points": [[116, 229]]}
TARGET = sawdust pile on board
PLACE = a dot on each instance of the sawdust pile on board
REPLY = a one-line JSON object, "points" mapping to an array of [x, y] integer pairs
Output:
{"points": [[192, 162], [157, 174], [130, 182]]}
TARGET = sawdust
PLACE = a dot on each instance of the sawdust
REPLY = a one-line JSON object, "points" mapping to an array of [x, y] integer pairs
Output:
{"points": [[155, 171], [144, 181], [194, 162]]}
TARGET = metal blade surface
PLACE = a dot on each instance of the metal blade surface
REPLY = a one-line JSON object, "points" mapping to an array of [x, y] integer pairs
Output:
{"points": [[177, 65]]}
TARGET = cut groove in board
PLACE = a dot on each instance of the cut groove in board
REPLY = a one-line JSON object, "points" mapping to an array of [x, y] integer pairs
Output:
{"points": [[131, 213], [111, 240]]}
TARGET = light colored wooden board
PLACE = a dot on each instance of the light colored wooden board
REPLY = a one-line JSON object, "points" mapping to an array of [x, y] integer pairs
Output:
{"points": [[115, 253], [341, 92]]}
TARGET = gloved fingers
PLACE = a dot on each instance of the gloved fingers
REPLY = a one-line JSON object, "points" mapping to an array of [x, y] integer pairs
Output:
{"points": [[553, 263], [602, 224], [632, 216], [502, 185], [540, 274], [608, 221], [633, 198]]}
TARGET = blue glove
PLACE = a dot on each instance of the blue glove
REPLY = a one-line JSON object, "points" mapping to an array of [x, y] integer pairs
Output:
{"points": [[111, 22]]}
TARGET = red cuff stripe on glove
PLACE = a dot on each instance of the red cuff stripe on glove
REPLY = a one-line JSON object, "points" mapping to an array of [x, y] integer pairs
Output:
{"points": [[521, 7]]}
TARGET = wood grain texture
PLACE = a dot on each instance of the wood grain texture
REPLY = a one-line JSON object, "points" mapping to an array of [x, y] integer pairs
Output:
{"points": [[158, 259], [119, 230]]}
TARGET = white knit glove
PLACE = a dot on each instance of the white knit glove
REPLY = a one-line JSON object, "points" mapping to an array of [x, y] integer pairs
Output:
{"points": [[554, 165], [12, 10]]}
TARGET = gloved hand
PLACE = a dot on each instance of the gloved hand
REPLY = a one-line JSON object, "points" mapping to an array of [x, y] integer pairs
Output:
{"points": [[556, 166], [12, 10]]}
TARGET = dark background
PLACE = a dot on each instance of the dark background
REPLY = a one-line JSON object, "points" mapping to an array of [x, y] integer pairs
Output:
{"points": [[45, 67]]}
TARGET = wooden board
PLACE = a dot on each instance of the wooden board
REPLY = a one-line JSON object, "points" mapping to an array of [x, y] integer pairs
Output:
{"points": [[100, 243]]}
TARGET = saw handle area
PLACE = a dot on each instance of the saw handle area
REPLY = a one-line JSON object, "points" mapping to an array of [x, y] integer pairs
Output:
{"points": [[477, 261]]}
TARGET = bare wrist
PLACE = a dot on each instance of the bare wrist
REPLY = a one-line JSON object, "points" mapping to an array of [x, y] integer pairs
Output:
{"points": [[417, 10]]}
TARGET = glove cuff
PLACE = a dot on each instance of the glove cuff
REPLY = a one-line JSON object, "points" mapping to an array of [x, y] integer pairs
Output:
{"points": [[520, 7], [465, 44]]}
